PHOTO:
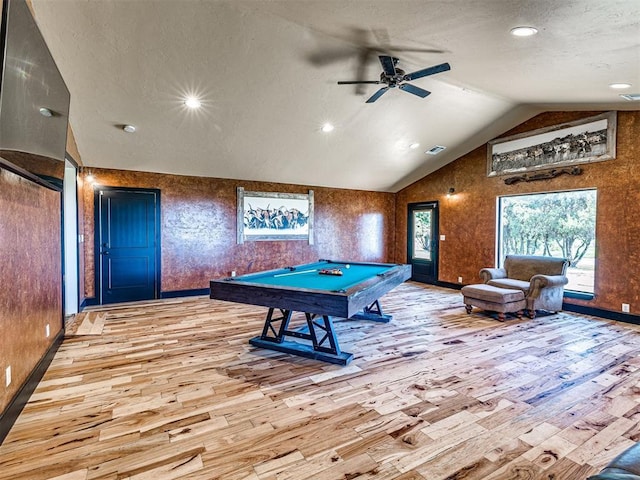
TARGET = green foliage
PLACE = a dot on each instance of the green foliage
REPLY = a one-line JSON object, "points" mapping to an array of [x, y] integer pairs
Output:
{"points": [[554, 224]]}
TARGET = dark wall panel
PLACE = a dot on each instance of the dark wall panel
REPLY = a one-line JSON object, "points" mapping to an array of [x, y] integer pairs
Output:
{"points": [[468, 219], [30, 277], [199, 228]]}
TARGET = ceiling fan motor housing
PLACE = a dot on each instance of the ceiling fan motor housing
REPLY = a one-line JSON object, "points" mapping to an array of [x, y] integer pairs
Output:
{"points": [[392, 80]]}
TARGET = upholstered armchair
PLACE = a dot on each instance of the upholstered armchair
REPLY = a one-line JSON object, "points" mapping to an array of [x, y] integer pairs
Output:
{"points": [[542, 279]]}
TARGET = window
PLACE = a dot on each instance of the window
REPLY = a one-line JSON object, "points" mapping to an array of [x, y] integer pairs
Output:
{"points": [[422, 234], [559, 224]]}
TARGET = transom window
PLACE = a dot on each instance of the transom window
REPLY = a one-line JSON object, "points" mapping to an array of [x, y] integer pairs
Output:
{"points": [[558, 224]]}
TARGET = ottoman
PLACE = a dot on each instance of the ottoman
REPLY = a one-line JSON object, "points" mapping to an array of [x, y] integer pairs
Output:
{"points": [[494, 299]]}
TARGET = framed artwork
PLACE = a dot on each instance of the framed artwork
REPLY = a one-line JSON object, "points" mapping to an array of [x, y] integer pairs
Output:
{"points": [[274, 216], [587, 140]]}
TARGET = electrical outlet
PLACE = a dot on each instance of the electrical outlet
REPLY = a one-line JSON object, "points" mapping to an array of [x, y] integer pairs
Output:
{"points": [[459, 279], [233, 273], [442, 238], [625, 308], [47, 331], [7, 376]]}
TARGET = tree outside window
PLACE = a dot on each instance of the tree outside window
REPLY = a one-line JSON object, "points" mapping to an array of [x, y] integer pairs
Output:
{"points": [[422, 234], [559, 224]]}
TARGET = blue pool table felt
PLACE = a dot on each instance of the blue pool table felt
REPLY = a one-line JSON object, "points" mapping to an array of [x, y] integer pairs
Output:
{"points": [[308, 276]]}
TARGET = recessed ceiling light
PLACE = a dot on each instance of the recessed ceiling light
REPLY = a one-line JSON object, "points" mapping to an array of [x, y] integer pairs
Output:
{"points": [[327, 127], [129, 128], [45, 112], [523, 31], [413, 146], [192, 102], [619, 86]]}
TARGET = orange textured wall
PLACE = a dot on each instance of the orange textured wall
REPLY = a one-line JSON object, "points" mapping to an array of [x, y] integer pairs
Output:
{"points": [[35, 164], [468, 220], [199, 228], [30, 276]]}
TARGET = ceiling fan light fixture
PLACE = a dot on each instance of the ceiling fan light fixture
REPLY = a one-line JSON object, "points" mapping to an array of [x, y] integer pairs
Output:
{"points": [[523, 31]]}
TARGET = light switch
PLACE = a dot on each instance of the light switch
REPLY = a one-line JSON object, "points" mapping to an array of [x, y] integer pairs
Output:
{"points": [[442, 238]]}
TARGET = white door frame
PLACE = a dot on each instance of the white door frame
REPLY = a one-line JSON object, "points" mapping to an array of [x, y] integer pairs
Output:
{"points": [[70, 240]]}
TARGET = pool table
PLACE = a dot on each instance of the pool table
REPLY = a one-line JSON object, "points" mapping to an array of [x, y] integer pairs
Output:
{"points": [[351, 292]]}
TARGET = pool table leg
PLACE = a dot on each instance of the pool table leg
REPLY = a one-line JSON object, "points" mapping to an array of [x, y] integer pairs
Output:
{"points": [[318, 330], [269, 332], [325, 327], [373, 312]]}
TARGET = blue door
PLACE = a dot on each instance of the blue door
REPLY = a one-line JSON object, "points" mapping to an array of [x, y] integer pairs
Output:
{"points": [[127, 244]]}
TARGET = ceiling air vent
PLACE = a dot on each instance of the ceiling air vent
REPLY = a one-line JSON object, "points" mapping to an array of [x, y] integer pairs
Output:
{"points": [[435, 150], [633, 97]]}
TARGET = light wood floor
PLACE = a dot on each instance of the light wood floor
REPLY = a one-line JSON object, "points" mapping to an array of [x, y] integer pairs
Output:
{"points": [[171, 389]]}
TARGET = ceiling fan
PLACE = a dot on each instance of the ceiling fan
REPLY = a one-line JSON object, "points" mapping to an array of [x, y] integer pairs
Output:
{"points": [[395, 77], [363, 44]]}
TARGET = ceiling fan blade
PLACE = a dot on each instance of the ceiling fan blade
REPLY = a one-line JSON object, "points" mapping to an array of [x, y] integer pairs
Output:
{"points": [[407, 87], [354, 82], [384, 44], [400, 48], [363, 59], [329, 56], [377, 95], [381, 35], [388, 64], [443, 67]]}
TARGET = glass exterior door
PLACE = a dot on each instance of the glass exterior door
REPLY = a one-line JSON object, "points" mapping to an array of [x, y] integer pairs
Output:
{"points": [[422, 241]]}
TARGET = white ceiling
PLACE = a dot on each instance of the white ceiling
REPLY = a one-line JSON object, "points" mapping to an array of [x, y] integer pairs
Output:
{"points": [[266, 72]]}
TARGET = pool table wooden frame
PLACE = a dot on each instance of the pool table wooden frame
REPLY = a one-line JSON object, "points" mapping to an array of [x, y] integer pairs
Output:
{"points": [[359, 301]]}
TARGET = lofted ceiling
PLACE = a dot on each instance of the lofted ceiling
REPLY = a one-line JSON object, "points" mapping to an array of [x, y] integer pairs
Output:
{"points": [[266, 72]]}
